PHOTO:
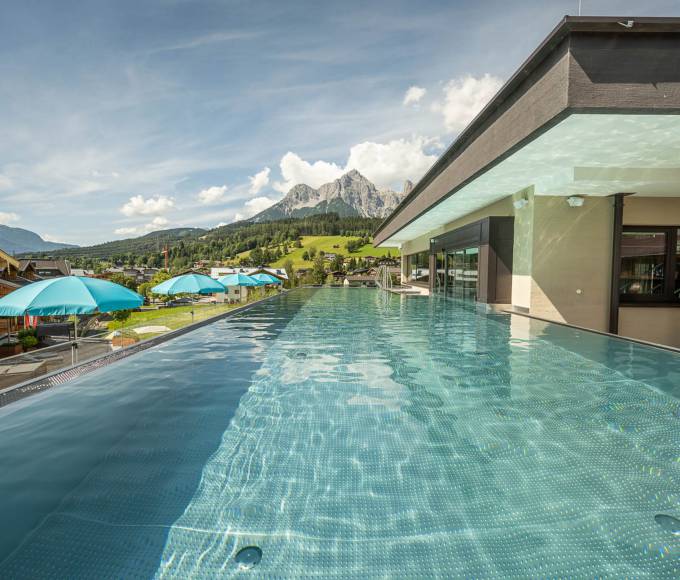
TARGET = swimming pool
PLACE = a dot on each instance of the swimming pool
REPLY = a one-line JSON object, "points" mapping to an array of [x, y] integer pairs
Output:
{"points": [[348, 433]]}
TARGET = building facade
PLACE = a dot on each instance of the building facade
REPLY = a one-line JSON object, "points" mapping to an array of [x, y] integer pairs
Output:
{"points": [[561, 199]]}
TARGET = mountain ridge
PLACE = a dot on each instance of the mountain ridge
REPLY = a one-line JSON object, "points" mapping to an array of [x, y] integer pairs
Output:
{"points": [[350, 195], [19, 240]]}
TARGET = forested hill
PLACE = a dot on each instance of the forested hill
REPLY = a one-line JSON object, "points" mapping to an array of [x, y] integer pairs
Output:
{"points": [[151, 243], [189, 245]]}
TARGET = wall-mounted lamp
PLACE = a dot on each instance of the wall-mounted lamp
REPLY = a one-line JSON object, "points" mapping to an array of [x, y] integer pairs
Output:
{"points": [[520, 203], [575, 201]]}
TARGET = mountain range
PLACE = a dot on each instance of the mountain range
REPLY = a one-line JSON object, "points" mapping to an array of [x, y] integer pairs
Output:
{"points": [[349, 195], [19, 240]]}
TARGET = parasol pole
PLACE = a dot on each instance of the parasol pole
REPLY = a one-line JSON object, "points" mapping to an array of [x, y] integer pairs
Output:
{"points": [[74, 345]]}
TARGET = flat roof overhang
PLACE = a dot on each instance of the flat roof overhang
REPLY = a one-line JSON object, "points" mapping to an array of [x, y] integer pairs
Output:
{"points": [[584, 154], [592, 75]]}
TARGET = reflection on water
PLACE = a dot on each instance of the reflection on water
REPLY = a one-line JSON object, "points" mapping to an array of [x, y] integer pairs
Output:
{"points": [[370, 435]]}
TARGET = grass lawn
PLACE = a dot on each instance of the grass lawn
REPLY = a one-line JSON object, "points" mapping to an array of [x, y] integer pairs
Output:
{"points": [[326, 244], [173, 318]]}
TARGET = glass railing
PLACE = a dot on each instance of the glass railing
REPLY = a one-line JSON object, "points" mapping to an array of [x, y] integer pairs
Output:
{"points": [[104, 335]]}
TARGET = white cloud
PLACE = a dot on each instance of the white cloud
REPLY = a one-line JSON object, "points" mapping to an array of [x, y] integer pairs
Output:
{"points": [[137, 205], [389, 164], [256, 205], [385, 164], [212, 195], [414, 95], [157, 223], [8, 217], [296, 170], [464, 97], [125, 231], [259, 181]]}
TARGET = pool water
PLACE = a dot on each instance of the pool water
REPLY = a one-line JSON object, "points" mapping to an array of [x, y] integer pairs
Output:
{"points": [[348, 433]]}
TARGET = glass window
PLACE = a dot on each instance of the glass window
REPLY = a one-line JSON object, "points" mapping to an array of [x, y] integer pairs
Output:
{"points": [[419, 267], [441, 270], [643, 261], [462, 271], [650, 262], [676, 286]]}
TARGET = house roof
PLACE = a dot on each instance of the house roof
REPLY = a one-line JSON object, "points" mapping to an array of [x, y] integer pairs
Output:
{"points": [[60, 265], [278, 272], [6, 258]]}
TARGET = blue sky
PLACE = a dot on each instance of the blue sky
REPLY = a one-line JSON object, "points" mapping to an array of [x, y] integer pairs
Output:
{"points": [[120, 117]]}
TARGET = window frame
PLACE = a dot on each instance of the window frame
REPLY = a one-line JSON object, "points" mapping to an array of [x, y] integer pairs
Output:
{"points": [[670, 263]]}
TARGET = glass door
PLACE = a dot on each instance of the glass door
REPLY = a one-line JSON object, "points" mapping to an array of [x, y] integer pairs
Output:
{"points": [[462, 272]]}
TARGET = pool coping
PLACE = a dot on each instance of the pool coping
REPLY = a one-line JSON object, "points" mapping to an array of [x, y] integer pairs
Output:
{"points": [[45, 382], [672, 349]]}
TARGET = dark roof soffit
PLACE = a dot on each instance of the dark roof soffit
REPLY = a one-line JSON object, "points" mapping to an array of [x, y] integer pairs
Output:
{"points": [[567, 25]]}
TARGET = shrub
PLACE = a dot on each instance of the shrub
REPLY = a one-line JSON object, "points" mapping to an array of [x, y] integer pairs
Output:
{"points": [[28, 341], [24, 332]]}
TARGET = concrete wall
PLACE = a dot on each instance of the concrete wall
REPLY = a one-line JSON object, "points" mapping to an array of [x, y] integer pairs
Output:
{"points": [[651, 211], [658, 324], [522, 250], [571, 261]]}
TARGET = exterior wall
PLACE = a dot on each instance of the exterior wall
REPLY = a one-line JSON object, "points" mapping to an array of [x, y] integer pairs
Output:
{"points": [[654, 324], [658, 325], [571, 261], [651, 211], [523, 251], [624, 70], [562, 260]]}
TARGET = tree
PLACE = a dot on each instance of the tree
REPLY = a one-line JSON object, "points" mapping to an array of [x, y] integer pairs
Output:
{"points": [[290, 271], [305, 256], [145, 289], [338, 262], [123, 280], [318, 270], [311, 252], [160, 276], [121, 316]]}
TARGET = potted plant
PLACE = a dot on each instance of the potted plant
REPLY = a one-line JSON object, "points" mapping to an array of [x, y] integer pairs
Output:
{"points": [[10, 348]]}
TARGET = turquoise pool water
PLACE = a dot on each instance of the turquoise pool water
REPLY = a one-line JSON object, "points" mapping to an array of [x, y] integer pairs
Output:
{"points": [[351, 434]]}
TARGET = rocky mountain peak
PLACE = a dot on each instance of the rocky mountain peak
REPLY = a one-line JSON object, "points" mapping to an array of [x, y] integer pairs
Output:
{"points": [[350, 194]]}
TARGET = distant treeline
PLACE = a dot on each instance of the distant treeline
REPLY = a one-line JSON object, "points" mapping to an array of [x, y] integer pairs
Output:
{"points": [[189, 245]]}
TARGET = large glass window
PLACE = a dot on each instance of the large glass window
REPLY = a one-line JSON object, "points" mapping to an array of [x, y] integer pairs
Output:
{"points": [[462, 271], [649, 265], [419, 267], [441, 270]]}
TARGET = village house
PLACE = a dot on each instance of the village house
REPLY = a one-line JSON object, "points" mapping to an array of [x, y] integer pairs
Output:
{"points": [[46, 268]]}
